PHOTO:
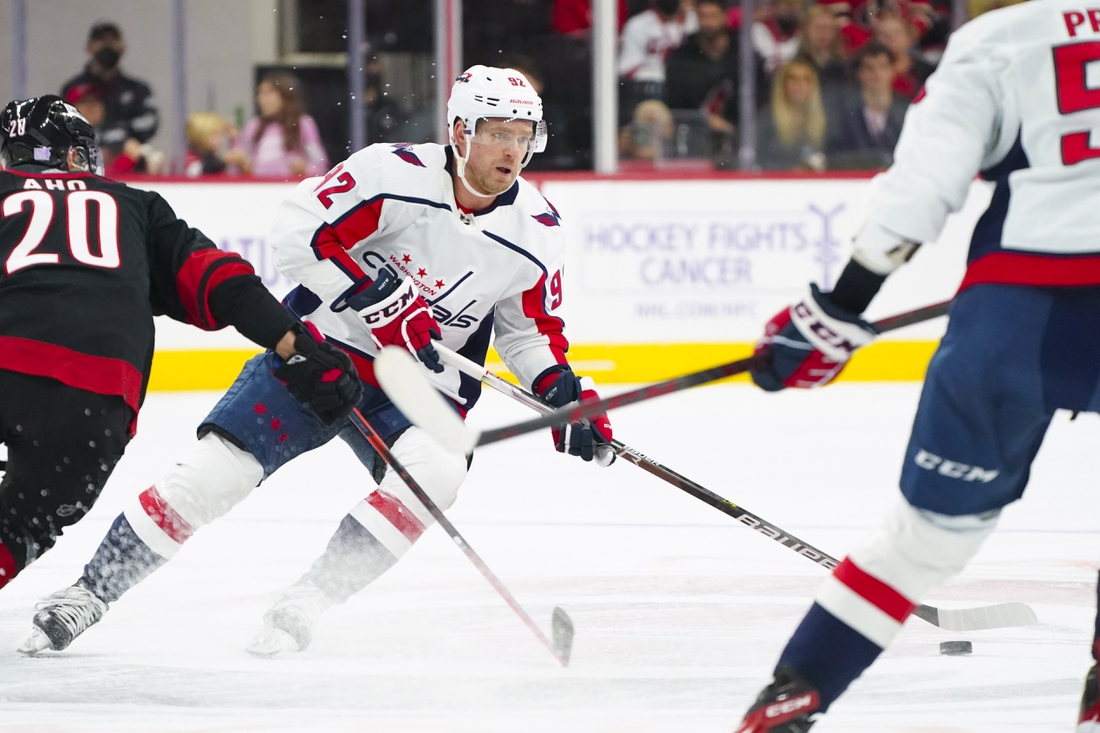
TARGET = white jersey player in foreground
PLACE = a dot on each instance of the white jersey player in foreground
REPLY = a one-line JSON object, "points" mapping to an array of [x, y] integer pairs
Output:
{"points": [[398, 245], [1014, 99]]}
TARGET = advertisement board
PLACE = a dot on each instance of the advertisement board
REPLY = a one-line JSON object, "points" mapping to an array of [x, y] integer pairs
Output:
{"points": [[662, 276]]}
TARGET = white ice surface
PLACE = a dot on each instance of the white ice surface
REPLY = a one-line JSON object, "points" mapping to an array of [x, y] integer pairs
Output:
{"points": [[680, 612]]}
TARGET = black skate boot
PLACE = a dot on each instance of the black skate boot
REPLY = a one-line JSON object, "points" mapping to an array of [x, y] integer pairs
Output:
{"points": [[1089, 720], [61, 617], [788, 705]]}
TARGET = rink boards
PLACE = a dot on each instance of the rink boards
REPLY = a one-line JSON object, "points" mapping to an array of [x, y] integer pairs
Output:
{"points": [[663, 275]]}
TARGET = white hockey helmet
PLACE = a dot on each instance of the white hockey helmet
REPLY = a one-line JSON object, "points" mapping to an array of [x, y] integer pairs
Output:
{"points": [[486, 92]]}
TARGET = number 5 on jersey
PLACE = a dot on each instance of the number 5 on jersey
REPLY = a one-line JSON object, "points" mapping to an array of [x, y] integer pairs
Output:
{"points": [[1071, 64]]}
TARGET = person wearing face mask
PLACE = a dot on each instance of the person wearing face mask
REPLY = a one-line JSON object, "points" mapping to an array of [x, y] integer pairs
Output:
{"points": [[130, 117]]}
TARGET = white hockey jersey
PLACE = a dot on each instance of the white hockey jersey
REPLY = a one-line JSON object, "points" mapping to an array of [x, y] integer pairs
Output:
{"points": [[393, 206], [1017, 98], [647, 40]]}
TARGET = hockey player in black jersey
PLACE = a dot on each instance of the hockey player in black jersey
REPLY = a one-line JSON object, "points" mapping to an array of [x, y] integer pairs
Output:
{"points": [[87, 263]]}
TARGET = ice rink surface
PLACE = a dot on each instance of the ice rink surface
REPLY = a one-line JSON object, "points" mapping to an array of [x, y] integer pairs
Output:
{"points": [[680, 613]]}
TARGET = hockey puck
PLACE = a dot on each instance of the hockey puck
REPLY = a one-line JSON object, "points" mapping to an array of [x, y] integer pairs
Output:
{"points": [[956, 648]]}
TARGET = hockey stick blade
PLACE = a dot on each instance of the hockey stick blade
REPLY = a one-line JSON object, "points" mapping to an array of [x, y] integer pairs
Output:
{"points": [[561, 632], [403, 381], [560, 650], [999, 616]]}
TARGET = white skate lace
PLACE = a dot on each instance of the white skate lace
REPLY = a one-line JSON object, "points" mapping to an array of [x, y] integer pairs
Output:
{"points": [[75, 607]]}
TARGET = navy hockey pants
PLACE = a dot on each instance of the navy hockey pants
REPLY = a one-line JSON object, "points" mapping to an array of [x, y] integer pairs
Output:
{"points": [[1010, 358], [260, 416]]}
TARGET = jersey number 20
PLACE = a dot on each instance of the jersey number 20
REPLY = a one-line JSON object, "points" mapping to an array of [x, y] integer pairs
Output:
{"points": [[77, 204], [1075, 95]]}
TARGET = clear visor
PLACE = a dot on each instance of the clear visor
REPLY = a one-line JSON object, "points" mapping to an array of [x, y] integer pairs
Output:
{"points": [[527, 143]]}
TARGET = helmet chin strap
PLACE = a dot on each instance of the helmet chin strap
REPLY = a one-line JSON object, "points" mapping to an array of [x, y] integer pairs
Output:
{"points": [[460, 170]]}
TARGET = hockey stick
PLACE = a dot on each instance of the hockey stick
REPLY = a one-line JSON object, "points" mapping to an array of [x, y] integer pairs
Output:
{"points": [[409, 389], [968, 619], [561, 626]]}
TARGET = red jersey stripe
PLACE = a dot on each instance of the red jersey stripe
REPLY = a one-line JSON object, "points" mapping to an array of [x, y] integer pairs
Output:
{"points": [[1020, 268], [534, 307], [197, 277], [164, 516], [99, 374], [873, 590]]}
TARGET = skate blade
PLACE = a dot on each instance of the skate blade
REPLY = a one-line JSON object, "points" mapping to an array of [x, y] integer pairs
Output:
{"points": [[271, 642], [34, 643]]}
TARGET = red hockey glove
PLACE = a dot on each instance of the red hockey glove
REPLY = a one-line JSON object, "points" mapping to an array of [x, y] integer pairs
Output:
{"points": [[398, 316], [319, 375], [810, 343], [590, 439]]}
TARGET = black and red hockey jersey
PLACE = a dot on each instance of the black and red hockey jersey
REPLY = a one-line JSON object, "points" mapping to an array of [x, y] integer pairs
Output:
{"points": [[86, 264]]}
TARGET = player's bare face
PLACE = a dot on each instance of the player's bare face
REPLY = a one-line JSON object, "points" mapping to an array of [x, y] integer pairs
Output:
{"points": [[497, 149]]}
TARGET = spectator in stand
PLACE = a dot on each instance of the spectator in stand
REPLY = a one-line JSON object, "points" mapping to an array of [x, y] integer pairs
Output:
{"points": [[854, 35], [704, 73], [647, 40], [207, 133], [282, 141], [900, 36], [129, 115], [865, 129], [574, 17], [135, 157], [776, 32], [790, 134], [649, 136], [822, 48]]}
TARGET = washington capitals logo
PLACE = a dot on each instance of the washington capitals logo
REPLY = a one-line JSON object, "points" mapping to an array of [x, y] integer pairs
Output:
{"points": [[549, 219], [405, 153]]}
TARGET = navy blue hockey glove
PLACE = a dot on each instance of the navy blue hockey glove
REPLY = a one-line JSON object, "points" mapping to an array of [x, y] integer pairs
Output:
{"points": [[397, 315], [319, 375], [589, 439], [809, 343]]}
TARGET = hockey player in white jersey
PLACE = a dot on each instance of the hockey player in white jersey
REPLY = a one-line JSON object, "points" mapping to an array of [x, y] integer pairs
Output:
{"points": [[1013, 99], [398, 245]]}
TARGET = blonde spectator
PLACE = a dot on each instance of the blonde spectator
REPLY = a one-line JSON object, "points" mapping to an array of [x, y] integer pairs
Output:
{"points": [[206, 135], [648, 136], [792, 131], [283, 141]]}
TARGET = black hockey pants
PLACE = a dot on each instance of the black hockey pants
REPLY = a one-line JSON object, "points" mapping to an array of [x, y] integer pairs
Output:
{"points": [[63, 444]]}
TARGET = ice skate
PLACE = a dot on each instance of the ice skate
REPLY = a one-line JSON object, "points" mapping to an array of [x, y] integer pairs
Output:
{"points": [[288, 625], [1089, 719], [788, 705], [61, 617]]}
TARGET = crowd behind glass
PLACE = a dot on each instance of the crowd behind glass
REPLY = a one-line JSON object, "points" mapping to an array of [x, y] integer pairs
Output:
{"points": [[833, 79]]}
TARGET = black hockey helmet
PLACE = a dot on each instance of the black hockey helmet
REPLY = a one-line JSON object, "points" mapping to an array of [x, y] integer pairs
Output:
{"points": [[42, 131]]}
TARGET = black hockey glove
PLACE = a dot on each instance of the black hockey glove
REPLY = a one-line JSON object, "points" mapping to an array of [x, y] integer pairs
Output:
{"points": [[320, 376], [589, 439]]}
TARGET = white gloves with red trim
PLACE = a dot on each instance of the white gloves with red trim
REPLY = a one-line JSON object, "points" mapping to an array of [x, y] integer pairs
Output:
{"points": [[809, 343], [397, 315]]}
